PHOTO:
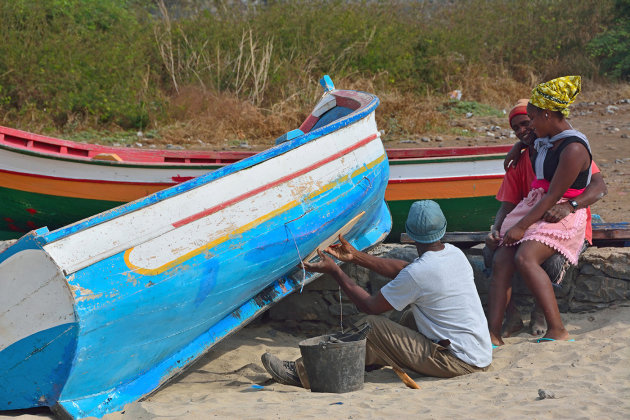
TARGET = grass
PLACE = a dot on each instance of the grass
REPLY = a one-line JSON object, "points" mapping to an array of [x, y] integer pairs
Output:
{"points": [[194, 73]]}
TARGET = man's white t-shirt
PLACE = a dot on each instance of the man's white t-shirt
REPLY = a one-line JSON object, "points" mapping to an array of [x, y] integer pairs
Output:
{"points": [[440, 288]]}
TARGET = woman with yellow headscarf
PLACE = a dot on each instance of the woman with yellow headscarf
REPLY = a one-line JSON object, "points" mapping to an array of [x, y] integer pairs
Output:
{"points": [[562, 164]]}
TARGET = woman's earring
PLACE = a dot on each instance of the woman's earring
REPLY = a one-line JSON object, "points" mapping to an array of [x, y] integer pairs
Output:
{"points": [[546, 115]]}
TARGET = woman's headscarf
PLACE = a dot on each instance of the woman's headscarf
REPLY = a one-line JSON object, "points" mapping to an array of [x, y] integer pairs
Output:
{"points": [[557, 94]]}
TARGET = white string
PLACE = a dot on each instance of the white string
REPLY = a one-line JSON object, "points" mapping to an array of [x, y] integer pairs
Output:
{"points": [[300, 257]]}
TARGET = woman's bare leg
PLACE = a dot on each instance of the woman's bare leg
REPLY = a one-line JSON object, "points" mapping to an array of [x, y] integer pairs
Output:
{"points": [[500, 290], [529, 257]]}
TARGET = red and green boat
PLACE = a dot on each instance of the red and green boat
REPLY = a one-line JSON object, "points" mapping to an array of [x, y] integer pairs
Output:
{"points": [[52, 182]]}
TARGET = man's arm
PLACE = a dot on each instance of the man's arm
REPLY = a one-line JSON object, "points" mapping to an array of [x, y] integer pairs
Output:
{"points": [[595, 190], [369, 304], [388, 267]]}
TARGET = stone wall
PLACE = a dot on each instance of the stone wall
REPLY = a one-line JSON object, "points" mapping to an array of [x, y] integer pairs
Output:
{"points": [[601, 279]]}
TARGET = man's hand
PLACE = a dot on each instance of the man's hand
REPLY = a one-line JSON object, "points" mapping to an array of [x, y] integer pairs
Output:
{"points": [[343, 251], [493, 239], [513, 235], [557, 212], [511, 159], [325, 264]]}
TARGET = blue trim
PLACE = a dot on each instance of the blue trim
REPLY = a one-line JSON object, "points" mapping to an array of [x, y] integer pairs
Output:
{"points": [[219, 173], [32, 240], [327, 83], [289, 136]]}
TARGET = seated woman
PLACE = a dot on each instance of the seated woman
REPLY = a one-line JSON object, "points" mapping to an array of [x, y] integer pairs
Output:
{"points": [[562, 164]]}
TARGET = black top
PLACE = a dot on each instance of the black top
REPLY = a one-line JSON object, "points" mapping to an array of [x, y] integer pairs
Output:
{"points": [[553, 158]]}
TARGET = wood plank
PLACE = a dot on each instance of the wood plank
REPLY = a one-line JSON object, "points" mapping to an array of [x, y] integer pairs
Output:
{"points": [[604, 234]]}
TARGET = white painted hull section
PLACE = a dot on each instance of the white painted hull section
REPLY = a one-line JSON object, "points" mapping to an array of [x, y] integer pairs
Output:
{"points": [[152, 226], [411, 171], [32, 165]]}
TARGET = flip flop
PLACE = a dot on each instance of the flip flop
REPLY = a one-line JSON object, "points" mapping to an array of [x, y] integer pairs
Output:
{"points": [[552, 339], [494, 346]]}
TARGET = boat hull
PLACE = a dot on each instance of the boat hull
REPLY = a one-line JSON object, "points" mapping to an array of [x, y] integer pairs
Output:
{"points": [[152, 285], [463, 182]]}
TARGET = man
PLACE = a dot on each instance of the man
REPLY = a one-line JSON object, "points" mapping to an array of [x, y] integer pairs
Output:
{"points": [[515, 186], [444, 332]]}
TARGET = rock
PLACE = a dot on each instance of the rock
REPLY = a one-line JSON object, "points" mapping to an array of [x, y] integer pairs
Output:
{"points": [[543, 394], [489, 134], [438, 138], [425, 139], [624, 136], [469, 115], [137, 144]]}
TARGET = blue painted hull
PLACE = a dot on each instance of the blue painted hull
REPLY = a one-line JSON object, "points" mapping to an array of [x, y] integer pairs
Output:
{"points": [[114, 332]]}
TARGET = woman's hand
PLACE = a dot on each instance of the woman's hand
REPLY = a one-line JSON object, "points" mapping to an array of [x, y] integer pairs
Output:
{"points": [[513, 235], [325, 264], [558, 212]]}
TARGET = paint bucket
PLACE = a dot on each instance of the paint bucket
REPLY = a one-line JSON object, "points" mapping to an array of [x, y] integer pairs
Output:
{"points": [[333, 365]]}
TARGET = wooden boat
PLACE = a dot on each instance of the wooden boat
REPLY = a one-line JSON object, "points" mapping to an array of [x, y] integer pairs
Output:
{"points": [[51, 182], [102, 312], [463, 180]]}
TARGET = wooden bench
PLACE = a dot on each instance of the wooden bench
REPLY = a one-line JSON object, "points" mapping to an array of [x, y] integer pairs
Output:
{"points": [[604, 234]]}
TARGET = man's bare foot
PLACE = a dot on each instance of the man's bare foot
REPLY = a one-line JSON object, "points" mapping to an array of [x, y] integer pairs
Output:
{"points": [[558, 335], [513, 322], [537, 323], [496, 340]]}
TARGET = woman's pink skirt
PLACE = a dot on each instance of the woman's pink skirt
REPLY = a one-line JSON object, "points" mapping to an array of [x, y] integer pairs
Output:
{"points": [[566, 236]]}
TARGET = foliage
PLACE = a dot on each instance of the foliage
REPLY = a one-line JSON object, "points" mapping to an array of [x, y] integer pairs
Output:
{"points": [[77, 64], [76, 59], [612, 47]]}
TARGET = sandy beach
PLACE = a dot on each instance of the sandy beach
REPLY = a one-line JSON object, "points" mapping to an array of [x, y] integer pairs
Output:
{"points": [[589, 377]]}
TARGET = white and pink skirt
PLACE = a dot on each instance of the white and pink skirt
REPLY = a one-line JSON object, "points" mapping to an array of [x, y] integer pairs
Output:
{"points": [[565, 236]]}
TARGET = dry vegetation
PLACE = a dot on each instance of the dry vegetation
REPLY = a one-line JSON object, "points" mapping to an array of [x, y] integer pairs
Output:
{"points": [[210, 74]]}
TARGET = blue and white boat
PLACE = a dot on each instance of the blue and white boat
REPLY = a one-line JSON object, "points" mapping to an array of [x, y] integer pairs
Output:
{"points": [[102, 312]]}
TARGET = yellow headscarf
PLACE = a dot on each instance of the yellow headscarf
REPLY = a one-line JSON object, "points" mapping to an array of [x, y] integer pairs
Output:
{"points": [[557, 94]]}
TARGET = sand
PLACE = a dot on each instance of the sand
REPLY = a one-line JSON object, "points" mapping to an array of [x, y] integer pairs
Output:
{"points": [[590, 378]]}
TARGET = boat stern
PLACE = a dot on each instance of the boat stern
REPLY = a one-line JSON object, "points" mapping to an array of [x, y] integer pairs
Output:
{"points": [[38, 328]]}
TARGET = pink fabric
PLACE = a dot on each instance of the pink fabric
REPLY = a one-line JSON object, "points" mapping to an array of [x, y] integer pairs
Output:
{"points": [[544, 184], [566, 236]]}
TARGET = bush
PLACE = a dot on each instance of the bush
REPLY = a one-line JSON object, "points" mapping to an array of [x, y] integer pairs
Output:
{"points": [[612, 48], [75, 60]]}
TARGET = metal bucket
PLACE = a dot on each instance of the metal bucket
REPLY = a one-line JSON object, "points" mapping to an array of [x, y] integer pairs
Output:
{"points": [[333, 366]]}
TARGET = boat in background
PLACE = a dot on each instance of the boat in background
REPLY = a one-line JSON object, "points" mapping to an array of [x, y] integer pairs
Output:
{"points": [[106, 310], [464, 181], [51, 182]]}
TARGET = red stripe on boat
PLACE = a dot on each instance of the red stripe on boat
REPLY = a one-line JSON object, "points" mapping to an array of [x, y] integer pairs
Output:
{"points": [[279, 181]]}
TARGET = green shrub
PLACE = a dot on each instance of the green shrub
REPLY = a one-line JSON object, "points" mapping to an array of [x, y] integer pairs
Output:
{"points": [[612, 48], [76, 59]]}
